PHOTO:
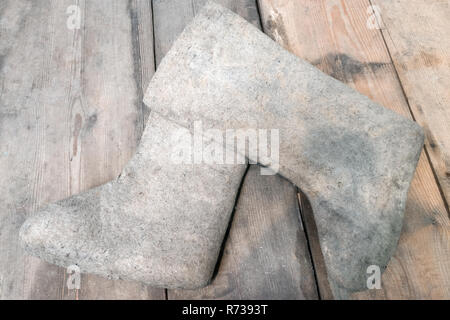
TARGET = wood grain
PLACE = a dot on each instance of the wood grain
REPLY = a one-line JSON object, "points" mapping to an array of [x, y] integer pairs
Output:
{"points": [[71, 117], [266, 254], [333, 35], [172, 16], [416, 33], [312, 237]]}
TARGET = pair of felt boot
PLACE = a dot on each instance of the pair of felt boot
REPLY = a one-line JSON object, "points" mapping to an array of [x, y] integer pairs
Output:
{"points": [[163, 223]]}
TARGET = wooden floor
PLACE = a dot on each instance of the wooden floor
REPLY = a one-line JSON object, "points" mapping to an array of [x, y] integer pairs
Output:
{"points": [[71, 116]]}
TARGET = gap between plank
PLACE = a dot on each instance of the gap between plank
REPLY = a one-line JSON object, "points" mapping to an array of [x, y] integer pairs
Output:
{"points": [[166, 293], [258, 10], [397, 75], [313, 243]]}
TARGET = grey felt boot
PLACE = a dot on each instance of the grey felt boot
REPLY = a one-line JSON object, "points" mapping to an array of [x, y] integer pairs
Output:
{"points": [[353, 158], [161, 223]]}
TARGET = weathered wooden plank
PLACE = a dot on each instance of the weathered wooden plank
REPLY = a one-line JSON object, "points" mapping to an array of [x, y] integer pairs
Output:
{"points": [[142, 61], [264, 256], [172, 16], [312, 236], [273, 263], [71, 117], [416, 33], [340, 43]]}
